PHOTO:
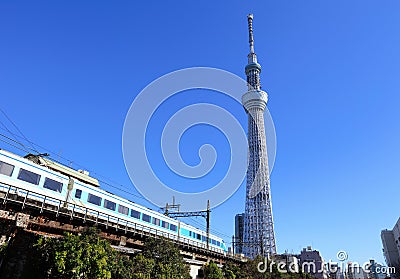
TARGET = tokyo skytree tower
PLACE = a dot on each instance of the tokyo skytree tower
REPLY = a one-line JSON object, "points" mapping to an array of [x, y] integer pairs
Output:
{"points": [[259, 237]]}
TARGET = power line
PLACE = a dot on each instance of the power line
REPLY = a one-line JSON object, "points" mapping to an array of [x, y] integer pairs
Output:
{"points": [[13, 145], [26, 149], [16, 127]]}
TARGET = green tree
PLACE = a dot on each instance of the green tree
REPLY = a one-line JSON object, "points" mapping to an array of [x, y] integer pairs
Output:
{"points": [[212, 271], [142, 267], [232, 271], [84, 256], [168, 261]]}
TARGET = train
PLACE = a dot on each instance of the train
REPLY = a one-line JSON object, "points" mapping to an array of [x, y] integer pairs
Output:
{"points": [[42, 177]]}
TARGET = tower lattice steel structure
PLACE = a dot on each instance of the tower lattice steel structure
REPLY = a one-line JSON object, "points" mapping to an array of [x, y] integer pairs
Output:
{"points": [[259, 237]]}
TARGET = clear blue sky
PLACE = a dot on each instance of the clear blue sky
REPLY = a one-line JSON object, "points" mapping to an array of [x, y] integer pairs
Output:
{"points": [[69, 71]]}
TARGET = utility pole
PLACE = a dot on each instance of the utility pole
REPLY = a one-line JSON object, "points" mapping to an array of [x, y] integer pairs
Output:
{"points": [[204, 213]]}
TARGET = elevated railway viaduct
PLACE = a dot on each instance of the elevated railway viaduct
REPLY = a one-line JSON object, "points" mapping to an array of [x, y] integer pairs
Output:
{"points": [[21, 213]]}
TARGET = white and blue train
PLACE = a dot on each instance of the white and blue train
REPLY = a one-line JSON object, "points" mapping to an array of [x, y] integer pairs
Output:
{"points": [[43, 177]]}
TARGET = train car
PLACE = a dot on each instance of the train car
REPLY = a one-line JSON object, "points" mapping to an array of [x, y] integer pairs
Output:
{"points": [[45, 178]]}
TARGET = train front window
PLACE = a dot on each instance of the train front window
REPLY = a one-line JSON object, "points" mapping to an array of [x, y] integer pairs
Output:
{"points": [[29, 176], [123, 209], [52, 185], [78, 193], [110, 205], [6, 169], [94, 199]]}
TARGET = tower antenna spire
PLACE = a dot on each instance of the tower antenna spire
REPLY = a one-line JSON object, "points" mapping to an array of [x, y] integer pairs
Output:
{"points": [[253, 69], [251, 39]]}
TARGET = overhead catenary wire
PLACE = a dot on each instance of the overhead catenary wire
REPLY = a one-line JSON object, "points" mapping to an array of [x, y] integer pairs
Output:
{"points": [[111, 182], [16, 127]]}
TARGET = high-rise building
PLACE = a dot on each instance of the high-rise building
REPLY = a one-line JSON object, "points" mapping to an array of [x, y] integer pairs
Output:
{"points": [[239, 223], [259, 236], [391, 245]]}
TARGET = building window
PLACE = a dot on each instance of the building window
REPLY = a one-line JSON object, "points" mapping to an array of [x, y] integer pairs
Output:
{"points": [[94, 199], [53, 185], [6, 169], [123, 209], [78, 193], [29, 176], [110, 205]]}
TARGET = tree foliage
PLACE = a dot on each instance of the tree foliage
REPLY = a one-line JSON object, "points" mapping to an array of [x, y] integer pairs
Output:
{"points": [[249, 270], [87, 256], [212, 271], [77, 256], [168, 262]]}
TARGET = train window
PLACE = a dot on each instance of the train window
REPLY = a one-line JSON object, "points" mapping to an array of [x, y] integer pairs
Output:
{"points": [[190, 233], [29, 176], [78, 193], [172, 227], [198, 236], [165, 224], [6, 169], [52, 185], [146, 218], [135, 214], [218, 243], [110, 205], [123, 209], [156, 221], [204, 238], [214, 242], [94, 199]]}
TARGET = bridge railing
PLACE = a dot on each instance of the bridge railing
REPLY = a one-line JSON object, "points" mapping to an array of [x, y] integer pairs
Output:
{"points": [[44, 203]]}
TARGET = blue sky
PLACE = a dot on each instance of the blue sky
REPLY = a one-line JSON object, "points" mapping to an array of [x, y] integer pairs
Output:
{"points": [[69, 72]]}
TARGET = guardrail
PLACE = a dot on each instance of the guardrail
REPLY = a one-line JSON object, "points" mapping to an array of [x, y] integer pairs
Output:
{"points": [[44, 203]]}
